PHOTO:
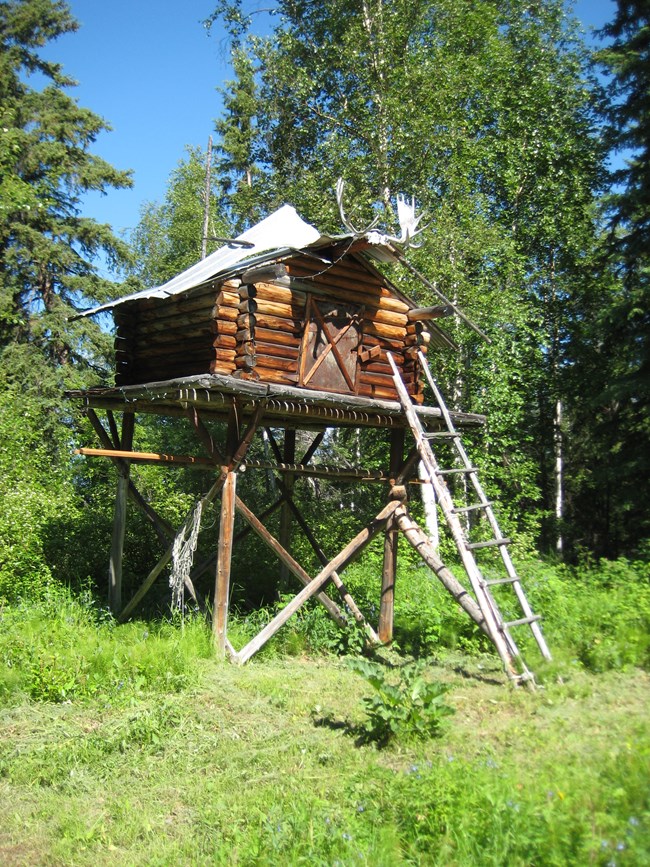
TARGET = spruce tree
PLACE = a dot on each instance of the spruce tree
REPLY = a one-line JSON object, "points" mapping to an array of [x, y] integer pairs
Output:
{"points": [[48, 249]]}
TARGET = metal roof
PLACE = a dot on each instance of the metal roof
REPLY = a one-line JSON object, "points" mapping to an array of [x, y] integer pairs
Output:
{"points": [[280, 232]]}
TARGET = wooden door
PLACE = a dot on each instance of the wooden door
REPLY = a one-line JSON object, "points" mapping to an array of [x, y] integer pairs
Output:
{"points": [[328, 358]]}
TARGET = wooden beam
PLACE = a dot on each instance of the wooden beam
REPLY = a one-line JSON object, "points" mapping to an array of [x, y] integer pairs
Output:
{"points": [[421, 314], [288, 478], [146, 457], [119, 517], [391, 542], [294, 567], [224, 560], [352, 550]]}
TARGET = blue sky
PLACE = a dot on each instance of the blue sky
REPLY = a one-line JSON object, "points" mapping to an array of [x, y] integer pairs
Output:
{"points": [[152, 71]]}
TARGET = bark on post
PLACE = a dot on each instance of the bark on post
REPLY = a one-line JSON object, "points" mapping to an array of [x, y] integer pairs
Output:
{"points": [[391, 538], [119, 519], [289, 457], [224, 559]]}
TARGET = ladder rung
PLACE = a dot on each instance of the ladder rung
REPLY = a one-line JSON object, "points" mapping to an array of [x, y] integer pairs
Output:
{"points": [[473, 508], [496, 581], [458, 470], [430, 435], [472, 546], [533, 619]]}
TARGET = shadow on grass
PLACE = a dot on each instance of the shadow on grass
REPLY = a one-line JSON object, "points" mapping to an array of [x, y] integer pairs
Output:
{"points": [[362, 737]]}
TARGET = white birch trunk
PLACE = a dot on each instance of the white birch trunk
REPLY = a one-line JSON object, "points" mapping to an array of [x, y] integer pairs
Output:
{"points": [[429, 505], [559, 475]]}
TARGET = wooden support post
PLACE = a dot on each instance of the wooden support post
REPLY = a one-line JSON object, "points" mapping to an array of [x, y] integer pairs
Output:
{"points": [[224, 558], [391, 539], [316, 584], [119, 518], [289, 457]]}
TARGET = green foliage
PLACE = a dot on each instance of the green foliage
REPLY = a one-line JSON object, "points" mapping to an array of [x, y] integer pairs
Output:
{"points": [[411, 707], [65, 648], [595, 616]]}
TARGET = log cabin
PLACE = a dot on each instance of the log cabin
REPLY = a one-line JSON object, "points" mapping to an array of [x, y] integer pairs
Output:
{"points": [[282, 305]]}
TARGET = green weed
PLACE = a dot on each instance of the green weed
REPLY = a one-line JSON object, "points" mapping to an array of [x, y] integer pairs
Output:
{"points": [[409, 706]]}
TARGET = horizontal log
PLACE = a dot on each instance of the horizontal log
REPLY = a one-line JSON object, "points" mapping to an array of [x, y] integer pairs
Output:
{"points": [[228, 298], [196, 346], [223, 368], [221, 312], [387, 317], [227, 327], [224, 341], [382, 379], [379, 366], [280, 338], [271, 292], [225, 354], [376, 391], [338, 275], [427, 313], [272, 308], [362, 283], [276, 350], [378, 329], [186, 321], [387, 344], [267, 374], [146, 457], [174, 337], [276, 362], [169, 308], [264, 273], [274, 323]]}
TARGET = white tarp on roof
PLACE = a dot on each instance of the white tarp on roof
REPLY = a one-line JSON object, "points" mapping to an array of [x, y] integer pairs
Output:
{"points": [[281, 230]]}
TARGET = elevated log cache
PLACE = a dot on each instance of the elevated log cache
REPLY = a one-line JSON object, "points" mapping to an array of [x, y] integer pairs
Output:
{"points": [[320, 323]]}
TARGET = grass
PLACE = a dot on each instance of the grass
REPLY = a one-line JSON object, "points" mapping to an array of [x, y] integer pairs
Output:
{"points": [[261, 764], [134, 745]]}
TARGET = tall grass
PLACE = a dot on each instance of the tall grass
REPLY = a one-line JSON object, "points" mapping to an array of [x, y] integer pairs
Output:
{"points": [[63, 647]]}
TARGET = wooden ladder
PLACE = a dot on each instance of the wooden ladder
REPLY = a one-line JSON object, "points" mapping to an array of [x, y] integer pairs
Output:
{"points": [[500, 630]]}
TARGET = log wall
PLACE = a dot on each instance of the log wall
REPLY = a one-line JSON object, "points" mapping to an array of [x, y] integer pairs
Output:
{"points": [[256, 331]]}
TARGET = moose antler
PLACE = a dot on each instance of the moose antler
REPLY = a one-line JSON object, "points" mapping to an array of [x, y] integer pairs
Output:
{"points": [[408, 222], [340, 184]]}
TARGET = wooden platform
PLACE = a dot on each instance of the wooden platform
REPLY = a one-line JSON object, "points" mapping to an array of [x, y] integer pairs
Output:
{"points": [[213, 395]]}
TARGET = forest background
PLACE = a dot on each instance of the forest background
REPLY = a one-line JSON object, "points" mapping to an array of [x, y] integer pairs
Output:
{"points": [[499, 117], [132, 744]]}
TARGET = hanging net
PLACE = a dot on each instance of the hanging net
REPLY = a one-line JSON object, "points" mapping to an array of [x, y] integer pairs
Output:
{"points": [[183, 555]]}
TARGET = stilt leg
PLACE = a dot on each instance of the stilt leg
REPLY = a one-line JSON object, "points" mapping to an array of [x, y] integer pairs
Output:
{"points": [[119, 520], [285, 515], [387, 603], [224, 558]]}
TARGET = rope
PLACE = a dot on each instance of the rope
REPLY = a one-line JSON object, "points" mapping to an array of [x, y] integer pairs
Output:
{"points": [[183, 555]]}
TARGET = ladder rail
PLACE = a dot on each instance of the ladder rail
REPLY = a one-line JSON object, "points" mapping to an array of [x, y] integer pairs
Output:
{"points": [[504, 643], [489, 513]]}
